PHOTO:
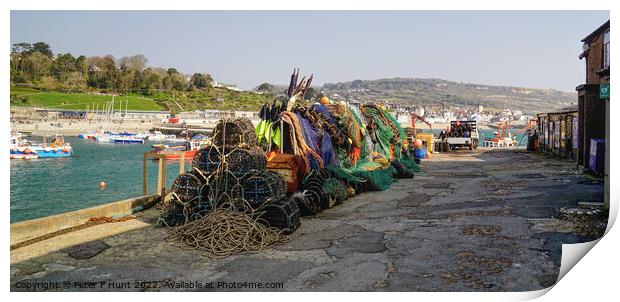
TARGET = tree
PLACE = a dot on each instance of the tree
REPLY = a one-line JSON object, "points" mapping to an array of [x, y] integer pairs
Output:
{"points": [[172, 71], [133, 63], [62, 66], [22, 47], [199, 81], [48, 83], [43, 48], [75, 80], [266, 87], [37, 65]]}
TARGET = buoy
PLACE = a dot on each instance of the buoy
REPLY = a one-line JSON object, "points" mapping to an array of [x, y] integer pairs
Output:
{"points": [[418, 143], [27, 151], [102, 184], [324, 100]]}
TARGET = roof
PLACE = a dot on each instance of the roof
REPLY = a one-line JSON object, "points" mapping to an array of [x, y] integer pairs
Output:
{"points": [[595, 33], [569, 109]]}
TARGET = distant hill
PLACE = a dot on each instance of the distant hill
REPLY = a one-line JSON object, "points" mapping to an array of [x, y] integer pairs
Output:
{"points": [[408, 91]]}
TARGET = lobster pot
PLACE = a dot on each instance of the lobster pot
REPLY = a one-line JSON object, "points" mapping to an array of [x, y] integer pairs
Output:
{"points": [[306, 207], [282, 214], [189, 202], [261, 186], [314, 190], [241, 161], [207, 160], [234, 133], [187, 187], [225, 185]]}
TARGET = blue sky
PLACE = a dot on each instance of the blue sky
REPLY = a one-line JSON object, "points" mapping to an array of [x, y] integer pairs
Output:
{"points": [[535, 49]]}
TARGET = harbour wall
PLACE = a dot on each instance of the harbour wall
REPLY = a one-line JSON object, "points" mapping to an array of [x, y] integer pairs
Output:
{"points": [[24, 231]]}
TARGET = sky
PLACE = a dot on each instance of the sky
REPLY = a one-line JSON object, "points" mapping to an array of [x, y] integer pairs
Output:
{"points": [[536, 49]]}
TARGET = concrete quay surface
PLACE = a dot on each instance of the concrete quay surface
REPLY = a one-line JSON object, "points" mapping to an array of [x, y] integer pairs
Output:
{"points": [[471, 221]]}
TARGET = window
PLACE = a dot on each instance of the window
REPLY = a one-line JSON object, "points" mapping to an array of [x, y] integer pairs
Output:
{"points": [[606, 50]]}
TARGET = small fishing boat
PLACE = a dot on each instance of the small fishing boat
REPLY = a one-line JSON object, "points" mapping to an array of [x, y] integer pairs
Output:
{"points": [[20, 155], [58, 148], [122, 139], [159, 136], [21, 148], [189, 149]]}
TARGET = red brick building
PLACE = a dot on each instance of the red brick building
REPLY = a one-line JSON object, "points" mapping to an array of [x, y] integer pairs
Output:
{"points": [[593, 98], [593, 105]]}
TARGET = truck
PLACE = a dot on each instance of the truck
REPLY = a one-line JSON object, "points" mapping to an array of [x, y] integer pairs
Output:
{"points": [[463, 134]]}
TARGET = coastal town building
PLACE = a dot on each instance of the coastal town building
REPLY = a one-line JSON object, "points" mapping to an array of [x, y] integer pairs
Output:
{"points": [[558, 132], [593, 100]]}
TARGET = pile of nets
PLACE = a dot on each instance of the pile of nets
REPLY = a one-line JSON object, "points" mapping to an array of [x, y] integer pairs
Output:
{"points": [[346, 149]]}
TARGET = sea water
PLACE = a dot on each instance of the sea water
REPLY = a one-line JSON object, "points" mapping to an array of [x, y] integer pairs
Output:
{"points": [[49, 186]]}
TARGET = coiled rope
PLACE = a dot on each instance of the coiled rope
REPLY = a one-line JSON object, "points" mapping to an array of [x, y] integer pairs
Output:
{"points": [[225, 231]]}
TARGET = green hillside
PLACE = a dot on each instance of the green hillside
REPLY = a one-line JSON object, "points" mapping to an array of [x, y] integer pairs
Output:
{"points": [[213, 98]]}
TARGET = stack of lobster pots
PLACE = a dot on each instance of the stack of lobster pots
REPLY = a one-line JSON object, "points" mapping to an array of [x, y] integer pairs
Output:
{"points": [[232, 172]]}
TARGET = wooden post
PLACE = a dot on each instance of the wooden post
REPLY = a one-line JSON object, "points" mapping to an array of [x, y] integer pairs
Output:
{"points": [[182, 168], [160, 180], [144, 173], [162, 193]]}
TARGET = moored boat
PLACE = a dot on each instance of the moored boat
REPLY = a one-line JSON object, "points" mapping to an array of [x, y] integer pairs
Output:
{"points": [[122, 139], [58, 148], [189, 149]]}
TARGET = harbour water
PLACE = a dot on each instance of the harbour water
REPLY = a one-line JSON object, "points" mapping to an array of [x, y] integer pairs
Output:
{"points": [[44, 187]]}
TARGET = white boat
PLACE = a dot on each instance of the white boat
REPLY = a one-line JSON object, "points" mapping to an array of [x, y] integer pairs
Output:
{"points": [[159, 136], [143, 135], [125, 139], [21, 148]]}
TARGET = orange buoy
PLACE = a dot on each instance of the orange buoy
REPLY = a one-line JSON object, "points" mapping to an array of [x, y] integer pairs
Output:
{"points": [[325, 100], [102, 185], [418, 143], [27, 151]]}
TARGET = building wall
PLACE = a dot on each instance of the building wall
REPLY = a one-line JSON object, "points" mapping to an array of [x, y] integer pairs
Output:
{"points": [[593, 113], [594, 60]]}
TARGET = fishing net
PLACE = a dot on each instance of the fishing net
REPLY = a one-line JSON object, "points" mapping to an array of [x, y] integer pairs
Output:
{"points": [[356, 183], [282, 214], [401, 170], [234, 133], [259, 187], [336, 190], [411, 165], [377, 180]]}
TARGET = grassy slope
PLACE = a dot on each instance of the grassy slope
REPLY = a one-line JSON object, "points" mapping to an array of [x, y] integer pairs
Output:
{"points": [[82, 101], [216, 99]]}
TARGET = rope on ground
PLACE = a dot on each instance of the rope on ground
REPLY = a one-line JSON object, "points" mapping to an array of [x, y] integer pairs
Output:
{"points": [[225, 231]]}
